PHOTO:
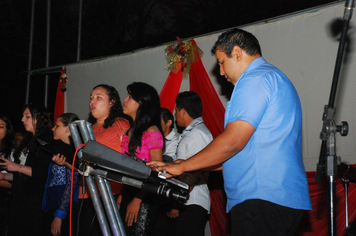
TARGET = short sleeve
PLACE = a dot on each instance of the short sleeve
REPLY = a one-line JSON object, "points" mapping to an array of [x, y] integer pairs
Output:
{"points": [[250, 102]]}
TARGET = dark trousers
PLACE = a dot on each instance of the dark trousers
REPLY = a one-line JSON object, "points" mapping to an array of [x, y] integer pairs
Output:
{"points": [[190, 222], [257, 217]]}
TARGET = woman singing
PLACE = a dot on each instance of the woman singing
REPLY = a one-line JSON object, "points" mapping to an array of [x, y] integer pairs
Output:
{"points": [[143, 140], [109, 124]]}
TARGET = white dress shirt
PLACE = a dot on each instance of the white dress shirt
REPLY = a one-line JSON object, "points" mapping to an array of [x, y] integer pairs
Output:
{"points": [[193, 139], [171, 144]]}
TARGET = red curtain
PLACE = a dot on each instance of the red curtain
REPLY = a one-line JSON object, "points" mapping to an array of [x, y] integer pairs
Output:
{"points": [[59, 105], [213, 109], [171, 89]]}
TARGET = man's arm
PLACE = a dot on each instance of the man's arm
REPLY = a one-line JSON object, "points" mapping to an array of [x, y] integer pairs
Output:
{"points": [[231, 141]]}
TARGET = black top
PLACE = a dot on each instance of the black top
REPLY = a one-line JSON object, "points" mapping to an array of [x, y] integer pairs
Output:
{"points": [[25, 215]]}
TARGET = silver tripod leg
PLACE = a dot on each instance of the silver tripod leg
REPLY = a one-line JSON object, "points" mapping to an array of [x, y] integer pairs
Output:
{"points": [[110, 206], [116, 210], [98, 206]]}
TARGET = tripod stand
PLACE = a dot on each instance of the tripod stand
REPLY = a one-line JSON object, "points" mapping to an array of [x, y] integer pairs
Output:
{"points": [[102, 164]]}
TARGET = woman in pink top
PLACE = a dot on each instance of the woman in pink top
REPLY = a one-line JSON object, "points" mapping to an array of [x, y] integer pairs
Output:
{"points": [[143, 140]]}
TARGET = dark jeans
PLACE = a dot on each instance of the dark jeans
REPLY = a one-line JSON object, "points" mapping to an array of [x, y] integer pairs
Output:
{"points": [[258, 217]]}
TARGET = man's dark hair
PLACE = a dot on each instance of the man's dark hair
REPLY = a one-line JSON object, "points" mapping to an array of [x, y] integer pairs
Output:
{"points": [[191, 102], [237, 37], [167, 115]]}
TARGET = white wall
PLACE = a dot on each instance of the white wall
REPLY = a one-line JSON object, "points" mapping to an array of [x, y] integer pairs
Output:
{"points": [[301, 45]]}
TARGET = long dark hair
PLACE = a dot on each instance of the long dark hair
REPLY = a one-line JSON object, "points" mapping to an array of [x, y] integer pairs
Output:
{"points": [[148, 112], [42, 127], [7, 143], [115, 110]]}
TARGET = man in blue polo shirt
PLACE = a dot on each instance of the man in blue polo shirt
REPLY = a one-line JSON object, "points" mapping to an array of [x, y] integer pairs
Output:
{"points": [[260, 148]]}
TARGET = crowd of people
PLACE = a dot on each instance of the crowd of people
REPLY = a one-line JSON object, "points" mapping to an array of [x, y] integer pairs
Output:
{"points": [[258, 150]]}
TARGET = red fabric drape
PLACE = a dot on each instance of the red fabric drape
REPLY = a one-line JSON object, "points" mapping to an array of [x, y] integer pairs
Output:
{"points": [[219, 222], [171, 89], [213, 109], [59, 105]]}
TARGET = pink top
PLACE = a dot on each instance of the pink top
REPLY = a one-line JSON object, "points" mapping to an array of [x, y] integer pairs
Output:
{"points": [[150, 140]]}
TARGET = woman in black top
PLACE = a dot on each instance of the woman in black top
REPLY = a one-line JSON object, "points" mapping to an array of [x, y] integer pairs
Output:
{"points": [[25, 215]]}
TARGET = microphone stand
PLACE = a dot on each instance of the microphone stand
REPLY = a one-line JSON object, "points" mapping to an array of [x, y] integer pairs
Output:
{"points": [[329, 129]]}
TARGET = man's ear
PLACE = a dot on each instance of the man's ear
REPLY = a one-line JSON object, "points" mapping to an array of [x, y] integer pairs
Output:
{"points": [[183, 112], [236, 53], [169, 123]]}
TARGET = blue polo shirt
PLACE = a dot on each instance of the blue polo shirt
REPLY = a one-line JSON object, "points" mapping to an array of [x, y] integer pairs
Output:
{"points": [[270, 167]]}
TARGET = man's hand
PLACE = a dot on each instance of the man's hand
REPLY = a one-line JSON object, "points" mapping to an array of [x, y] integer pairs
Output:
{"points": [[172, 168]]}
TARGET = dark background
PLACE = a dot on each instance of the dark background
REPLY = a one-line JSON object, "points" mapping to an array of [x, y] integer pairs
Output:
{"points": [[109, 27]]}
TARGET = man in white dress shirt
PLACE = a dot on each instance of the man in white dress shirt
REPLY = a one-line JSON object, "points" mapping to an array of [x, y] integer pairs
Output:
{"points": [[192, 217]]}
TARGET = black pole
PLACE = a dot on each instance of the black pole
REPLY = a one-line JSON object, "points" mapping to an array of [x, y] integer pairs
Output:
{"points": [[327, 151], [30, 49]]}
